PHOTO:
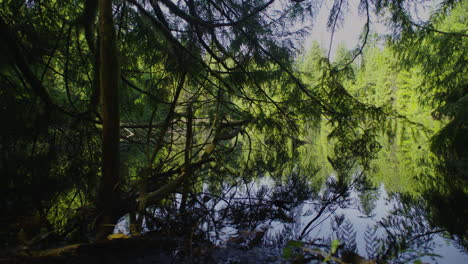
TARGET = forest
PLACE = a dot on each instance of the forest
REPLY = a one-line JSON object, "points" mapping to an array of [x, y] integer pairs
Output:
{"points": [[205, 131]]}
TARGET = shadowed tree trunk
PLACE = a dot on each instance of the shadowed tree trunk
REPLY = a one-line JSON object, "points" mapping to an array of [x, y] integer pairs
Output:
{"points": [[108, 196]]}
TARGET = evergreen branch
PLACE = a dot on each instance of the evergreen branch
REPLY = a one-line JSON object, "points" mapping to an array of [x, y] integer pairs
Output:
{"points": [[195, 20], [426, 234], [457, 34], [334, 26], [11, 40], [366, 34]]}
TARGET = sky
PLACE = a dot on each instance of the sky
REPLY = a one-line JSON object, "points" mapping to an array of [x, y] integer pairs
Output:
{"points": [[352, 27], [348, 33]]}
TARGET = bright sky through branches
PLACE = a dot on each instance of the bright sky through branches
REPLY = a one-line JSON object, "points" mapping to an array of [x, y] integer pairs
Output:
{"points": [[348, 32]]}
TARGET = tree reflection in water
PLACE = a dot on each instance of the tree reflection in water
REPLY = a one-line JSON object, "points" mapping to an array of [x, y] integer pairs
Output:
{"points": [[264, 221]]}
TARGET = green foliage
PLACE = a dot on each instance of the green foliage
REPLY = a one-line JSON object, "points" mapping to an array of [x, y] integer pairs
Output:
{"points": [[210, 91], [439, 51], [288, 251]]}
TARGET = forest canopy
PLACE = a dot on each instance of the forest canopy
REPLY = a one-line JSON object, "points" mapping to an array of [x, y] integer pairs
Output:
{"points": [[111, 108]]}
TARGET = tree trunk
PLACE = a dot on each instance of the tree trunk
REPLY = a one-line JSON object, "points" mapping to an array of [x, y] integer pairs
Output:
{"points": [[109, 195]]}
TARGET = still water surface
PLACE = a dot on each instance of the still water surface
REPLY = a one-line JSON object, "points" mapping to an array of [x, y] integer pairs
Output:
{"points": [[263, 217]]}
